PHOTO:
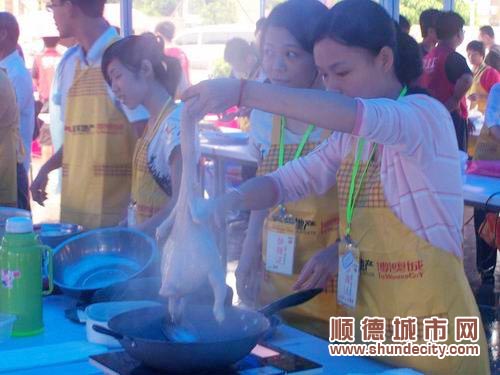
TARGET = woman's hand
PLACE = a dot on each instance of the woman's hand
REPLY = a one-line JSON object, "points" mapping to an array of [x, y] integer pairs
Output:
{"points": [[319, 269], [249, 275], [213, 96], [250, 271], [39, 187]]}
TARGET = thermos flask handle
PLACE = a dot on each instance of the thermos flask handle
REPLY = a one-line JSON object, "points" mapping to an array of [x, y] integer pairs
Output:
{"points": [[47, 252]]}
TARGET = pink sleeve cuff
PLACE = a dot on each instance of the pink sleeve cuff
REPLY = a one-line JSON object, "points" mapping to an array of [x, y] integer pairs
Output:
{"points": [[360, 109]]}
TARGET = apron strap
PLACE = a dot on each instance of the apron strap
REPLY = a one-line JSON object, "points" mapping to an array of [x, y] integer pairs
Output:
{"points": [[275, 134]]}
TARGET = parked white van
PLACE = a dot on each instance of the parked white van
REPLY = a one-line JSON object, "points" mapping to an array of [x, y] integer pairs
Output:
{"points": [[204, 45]]}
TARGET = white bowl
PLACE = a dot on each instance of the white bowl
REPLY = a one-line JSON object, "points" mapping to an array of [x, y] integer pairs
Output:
{"points": [[101, 313]]}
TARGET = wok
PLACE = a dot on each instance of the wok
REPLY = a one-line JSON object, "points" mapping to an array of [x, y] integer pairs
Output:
{"points": [[145, 336]]}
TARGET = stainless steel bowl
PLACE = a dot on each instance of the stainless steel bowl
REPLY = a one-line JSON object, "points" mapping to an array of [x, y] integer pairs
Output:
{"points": [[6, 212], [54, 234], [100, 258]]}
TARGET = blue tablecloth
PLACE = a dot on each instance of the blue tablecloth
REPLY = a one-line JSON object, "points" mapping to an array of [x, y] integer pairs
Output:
{"points": [[63, 349]]}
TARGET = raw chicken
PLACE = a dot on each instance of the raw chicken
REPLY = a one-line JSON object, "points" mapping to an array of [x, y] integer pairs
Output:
{"points": [[190, 254]]}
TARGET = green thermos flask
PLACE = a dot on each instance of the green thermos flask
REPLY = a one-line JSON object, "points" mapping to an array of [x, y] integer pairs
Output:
{"points": [[21, 288]]}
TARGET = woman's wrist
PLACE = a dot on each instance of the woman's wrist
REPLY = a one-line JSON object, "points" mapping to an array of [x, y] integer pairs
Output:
{"points": [[241, 92], [233, 200]]}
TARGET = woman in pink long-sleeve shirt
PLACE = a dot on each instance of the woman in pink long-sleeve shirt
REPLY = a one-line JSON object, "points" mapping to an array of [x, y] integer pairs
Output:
{"points": [[405, 232], [420, 167]]}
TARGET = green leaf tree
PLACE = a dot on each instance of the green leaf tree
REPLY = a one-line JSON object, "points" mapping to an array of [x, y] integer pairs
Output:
{"points": [[411, 9], [219, 11], [155, 7]]}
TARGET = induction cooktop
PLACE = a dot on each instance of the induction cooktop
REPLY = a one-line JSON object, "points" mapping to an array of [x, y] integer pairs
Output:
{"points": [[263, 360]]}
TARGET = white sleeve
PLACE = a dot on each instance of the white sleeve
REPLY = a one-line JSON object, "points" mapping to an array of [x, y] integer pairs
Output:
{"points": [[261, 125], [23, 87], [56, 110], [172, 136], [161, 147], [61, 83], [492, 115]]}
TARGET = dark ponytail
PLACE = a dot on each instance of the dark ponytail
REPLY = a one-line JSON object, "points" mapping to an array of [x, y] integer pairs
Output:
{"points": [[131, 51], [493, 58], [409, 59], [365, 24], [170, 77]]}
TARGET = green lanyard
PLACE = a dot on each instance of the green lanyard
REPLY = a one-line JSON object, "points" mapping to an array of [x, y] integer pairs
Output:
{"points": [[353, 195], [300, 147], [351, 202]]}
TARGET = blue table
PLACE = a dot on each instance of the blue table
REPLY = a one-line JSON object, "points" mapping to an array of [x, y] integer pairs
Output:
{"points": [[477, 190], [64, 349]]}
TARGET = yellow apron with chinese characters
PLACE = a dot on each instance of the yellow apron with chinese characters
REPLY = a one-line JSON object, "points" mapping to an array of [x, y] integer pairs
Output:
{"points": [[317, 227], [477, 88], [10, 147], [97, 158], [487, 147], [8, 168], [148, 196], [403, 275]]}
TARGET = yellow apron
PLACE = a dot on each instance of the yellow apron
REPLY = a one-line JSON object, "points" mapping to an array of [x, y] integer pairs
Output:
{"points": [[403, 275], [477, 88], [487, 147], [97, 159], [148, 196], [10, 142], [319, 214]]}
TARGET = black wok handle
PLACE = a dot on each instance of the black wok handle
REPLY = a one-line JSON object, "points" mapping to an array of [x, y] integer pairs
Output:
{"points": [[108, 332], [290, 301]]}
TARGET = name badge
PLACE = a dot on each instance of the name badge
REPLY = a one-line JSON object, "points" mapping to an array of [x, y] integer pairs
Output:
{"points": [[280, 247], [348, 278]]}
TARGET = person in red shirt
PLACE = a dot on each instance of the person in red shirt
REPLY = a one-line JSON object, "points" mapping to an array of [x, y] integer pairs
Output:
{"points": [[484, 76], [44, 67], [428, 19], [447, 76], [166, 30]]}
